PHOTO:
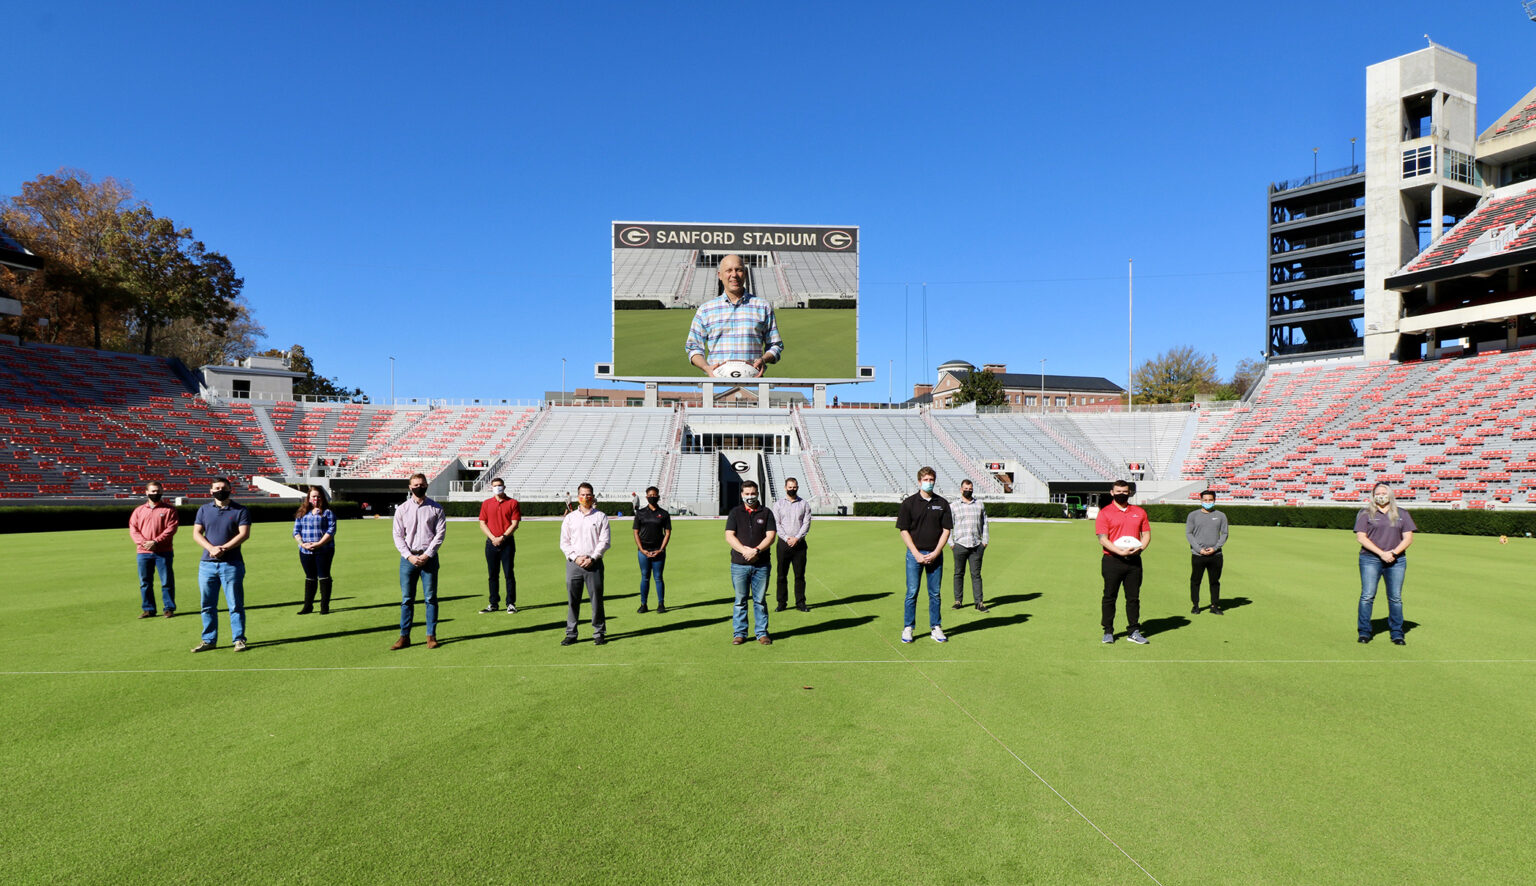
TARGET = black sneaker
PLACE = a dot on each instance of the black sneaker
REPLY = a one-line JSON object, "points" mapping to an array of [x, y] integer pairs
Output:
{"points": [[660, 609], [568, 641], [598, 641], [981, 607], [1363, 639], [643, 608], [1215, 610], [958, 605], [1399, 641], [803, 608], [489, 609], [780, 608], [1194, 610]]}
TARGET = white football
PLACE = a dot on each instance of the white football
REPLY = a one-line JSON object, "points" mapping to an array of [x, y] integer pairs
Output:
{"points": [[1127, 542], [735, 369]]}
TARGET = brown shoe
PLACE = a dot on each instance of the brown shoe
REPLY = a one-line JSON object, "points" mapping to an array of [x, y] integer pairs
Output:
{"points": [[981, 607], [401, 643], [765, 640], [738, 640], [169, 613], [431, 642], [146, 615]]}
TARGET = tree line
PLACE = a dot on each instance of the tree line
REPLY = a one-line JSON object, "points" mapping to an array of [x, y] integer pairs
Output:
{"points": [[117, 276], [1178, 375]]}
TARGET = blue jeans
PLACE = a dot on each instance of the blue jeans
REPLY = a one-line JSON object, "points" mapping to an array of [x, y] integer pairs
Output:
{"points": [[427, 572], [1371, 571], [148, 565], [652, 568], [750, 578], [211, 575], [915, 570]]}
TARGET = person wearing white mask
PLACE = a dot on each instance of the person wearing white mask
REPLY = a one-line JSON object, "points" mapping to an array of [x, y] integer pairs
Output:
{"points": [[925, 522], [1206, 531], [1384, 531], [499, 518]]}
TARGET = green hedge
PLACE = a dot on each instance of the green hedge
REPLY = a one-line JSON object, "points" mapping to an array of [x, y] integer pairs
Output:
{"points": [[56, 518], [1436, 520], [835, 303], [638, 304]]}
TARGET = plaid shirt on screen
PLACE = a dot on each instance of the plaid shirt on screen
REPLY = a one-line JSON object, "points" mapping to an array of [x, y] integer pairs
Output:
{"points": [[743, 331]]}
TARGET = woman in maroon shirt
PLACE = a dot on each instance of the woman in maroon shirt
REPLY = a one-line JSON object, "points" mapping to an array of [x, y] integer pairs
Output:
{"points": [[1385, 531]]}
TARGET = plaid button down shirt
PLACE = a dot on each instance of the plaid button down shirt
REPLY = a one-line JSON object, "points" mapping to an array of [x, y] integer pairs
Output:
{"points": [[970, 524], [312, 526], [743, 331]]}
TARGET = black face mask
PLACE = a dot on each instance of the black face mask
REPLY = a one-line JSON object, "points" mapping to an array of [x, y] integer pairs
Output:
{"points": [[750, 501], [419, 491], [1122, 498], [792, 493], [152, 496], [966, 493], [221, 495], [652, 499]]}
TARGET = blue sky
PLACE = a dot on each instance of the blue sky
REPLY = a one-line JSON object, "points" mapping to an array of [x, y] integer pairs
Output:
{"points": [[436, 181]]}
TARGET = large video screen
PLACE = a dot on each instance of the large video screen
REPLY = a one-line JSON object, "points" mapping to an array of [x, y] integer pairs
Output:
{"points": [[685, 294]]}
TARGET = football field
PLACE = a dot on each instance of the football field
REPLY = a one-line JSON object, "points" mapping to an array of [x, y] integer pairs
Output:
{"points": [[1260, 746], [818, 343]]}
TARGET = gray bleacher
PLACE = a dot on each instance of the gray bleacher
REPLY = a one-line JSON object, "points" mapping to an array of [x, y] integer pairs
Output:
{"points": [[1019, 438], [1151, 438], [819, 274], [618, 451], [879, 452], [650, 273]]}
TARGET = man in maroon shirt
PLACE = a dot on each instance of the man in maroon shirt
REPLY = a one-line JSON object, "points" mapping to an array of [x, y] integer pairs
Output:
{"points": [[151, 526], [1121, 564], [499, 516]]}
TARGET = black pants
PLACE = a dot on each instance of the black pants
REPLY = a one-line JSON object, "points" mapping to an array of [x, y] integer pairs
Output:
{"points": [[1199, 564], [501, 559], [1121, 571], [964, 555], [791, 557]]}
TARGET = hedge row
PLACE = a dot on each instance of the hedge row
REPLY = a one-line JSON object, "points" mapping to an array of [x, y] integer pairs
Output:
{"points": [[1436, 520], [55, 518], [638, 304], [535, 508], [837, 303]]}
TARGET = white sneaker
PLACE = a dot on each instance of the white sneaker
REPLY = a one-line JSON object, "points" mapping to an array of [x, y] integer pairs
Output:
{"points": [[906, 634], [511, 609], [938, 635]]}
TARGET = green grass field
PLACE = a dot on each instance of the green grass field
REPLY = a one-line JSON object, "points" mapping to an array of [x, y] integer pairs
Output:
{"points": [[818, 343], [1262, 746]]}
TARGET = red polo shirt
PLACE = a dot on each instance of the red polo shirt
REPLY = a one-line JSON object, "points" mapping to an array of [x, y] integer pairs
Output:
{"points": [[498, 515], [1114, 523]]}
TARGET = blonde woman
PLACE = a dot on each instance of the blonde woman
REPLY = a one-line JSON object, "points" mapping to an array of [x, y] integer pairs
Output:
{"points": [[1385, 531]]}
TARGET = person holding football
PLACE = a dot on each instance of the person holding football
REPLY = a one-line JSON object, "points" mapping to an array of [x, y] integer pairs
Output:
{"points": [[1124, 532], [734, 326]]}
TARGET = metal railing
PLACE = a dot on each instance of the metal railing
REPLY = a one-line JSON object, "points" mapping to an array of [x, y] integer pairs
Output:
{"points": [[1315, 178]]}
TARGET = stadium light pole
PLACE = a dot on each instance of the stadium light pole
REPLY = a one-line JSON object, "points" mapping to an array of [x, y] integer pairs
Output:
{"points": [[562, 382], [391, 381], [1130, 326], [1042, 386]]}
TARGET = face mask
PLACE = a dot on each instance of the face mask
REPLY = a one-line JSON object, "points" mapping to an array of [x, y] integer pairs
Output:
{"points": [[792, 493], [926, 486], [1207, 505], [498, 490], [221, 495], [419, 491], [152, 496], [1122, 498], [652, 499], [750, 502], [1381, 500], [967, 493]]}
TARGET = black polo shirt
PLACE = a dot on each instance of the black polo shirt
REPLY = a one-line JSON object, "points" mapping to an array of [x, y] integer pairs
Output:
{"points": [[925, 519], [652, 525], [751, 527]]}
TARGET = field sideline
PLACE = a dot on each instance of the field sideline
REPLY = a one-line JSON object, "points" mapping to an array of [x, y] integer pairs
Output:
{"points": [[1262, 746]]}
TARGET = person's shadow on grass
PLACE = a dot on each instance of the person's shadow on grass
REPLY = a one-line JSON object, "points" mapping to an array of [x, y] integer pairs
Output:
{"points": [[1379, 626], [1233, 602], [856, 598], [982, 624], [836, 624], [723, 601], [666, 627], [1163, 625], [506, 632], [1013, 598], [334, 600], [328, 635]]}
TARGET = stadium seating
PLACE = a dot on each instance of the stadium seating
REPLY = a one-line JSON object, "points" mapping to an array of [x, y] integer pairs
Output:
{"points": [[1495, 216]]}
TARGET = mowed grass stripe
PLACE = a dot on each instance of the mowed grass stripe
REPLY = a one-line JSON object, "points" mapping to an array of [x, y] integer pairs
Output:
{"points": [[479, 762], [818, 343]]}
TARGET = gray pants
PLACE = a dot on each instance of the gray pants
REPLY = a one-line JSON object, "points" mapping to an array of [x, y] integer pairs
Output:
{"points": [[965, 555], [576, 579]]}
